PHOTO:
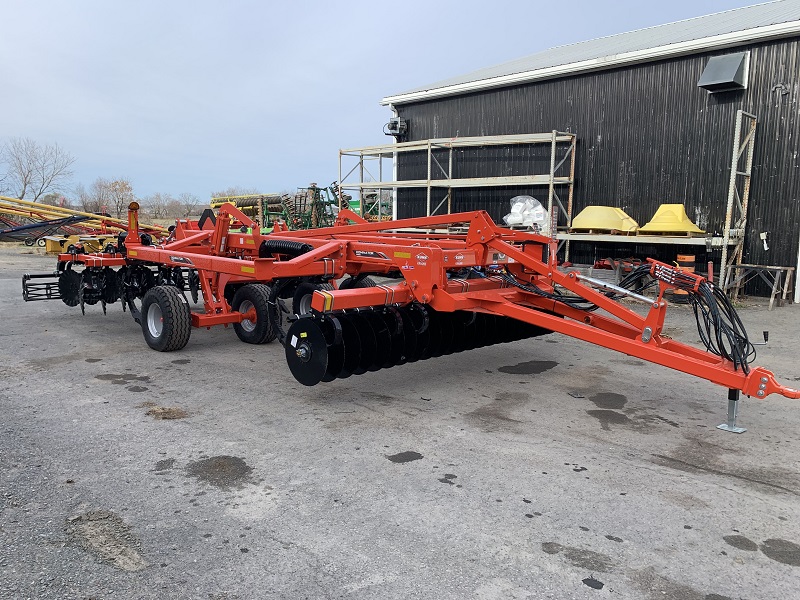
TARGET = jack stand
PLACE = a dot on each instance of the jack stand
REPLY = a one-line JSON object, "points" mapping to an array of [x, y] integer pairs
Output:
{"points": [[733, 409]]}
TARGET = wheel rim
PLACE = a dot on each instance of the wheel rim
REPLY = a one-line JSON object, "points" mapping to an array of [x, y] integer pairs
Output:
{"points": [[305, 304], [245, 307], [155, 320]]}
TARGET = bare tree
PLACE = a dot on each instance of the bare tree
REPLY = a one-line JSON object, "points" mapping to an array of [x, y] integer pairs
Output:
{"points": [[106, 195], [120, 193], [174, 209], [156, 205], [86, 201], [33, 170], [100, 193], [56, 199], [189, 203]]}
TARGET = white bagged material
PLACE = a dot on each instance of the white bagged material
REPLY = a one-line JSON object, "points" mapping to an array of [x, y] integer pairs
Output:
{"points": [[527, 211]]}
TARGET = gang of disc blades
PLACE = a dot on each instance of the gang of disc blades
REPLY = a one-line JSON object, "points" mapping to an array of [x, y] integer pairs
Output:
{"points": [[435, 334], [446, 326], [332, 329], [501, 329], [491, 329], [480, 330], [409, 336], [306, 351], [394, 323], [110, 291], [420, 322], [352, 346], [459, 331], [367, 340], [470, 328], [383, 340]]}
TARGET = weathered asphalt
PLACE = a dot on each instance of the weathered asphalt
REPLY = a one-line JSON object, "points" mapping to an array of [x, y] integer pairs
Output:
{"points": [[539, 469]]}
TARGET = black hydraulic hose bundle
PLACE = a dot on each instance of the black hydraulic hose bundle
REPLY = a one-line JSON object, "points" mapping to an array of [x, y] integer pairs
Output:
{"points": [[720, 328], [639, 276]]}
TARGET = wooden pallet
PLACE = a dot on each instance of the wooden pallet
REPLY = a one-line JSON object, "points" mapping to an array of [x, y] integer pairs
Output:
{"points": [[686, 234], [618, 232]]}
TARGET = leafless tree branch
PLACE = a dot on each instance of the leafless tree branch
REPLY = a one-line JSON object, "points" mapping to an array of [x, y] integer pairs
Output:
{"points": [[33, 170]]}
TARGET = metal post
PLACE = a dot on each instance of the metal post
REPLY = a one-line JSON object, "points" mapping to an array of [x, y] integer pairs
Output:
{"points": [[429, 180], [340, 191], [551, 186], [450, 176], [571, 188], [741, 221], [361, 187], [733, 410]]}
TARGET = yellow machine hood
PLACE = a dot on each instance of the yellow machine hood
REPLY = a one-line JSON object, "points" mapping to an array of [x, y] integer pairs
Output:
{"points": [[670, 218], [604, 217]]}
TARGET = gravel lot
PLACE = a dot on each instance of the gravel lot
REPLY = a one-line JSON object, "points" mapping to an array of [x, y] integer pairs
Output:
{"points": [[547, 468]]}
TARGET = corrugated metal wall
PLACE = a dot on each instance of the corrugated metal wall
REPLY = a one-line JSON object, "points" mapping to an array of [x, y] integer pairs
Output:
{"points": [[646, 135]]}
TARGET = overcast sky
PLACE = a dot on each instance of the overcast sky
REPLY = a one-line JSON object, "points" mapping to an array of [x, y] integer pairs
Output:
{"points": [[197, 96]]}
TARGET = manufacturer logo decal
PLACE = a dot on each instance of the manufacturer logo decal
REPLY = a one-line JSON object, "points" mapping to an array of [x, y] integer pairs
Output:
{"points": [[370, 254]]}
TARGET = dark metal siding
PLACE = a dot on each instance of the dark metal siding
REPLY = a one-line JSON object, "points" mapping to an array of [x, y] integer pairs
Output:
{"points": [[646, 135]]}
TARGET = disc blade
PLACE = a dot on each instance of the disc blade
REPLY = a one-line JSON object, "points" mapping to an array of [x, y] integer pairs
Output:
{"points": [[481, 325], [394, 323], [352, 346], [409, 336], [434, 334], [332, 330], [367, 341], [446, 325], [306, 351], [458, 320], [383, 341]]}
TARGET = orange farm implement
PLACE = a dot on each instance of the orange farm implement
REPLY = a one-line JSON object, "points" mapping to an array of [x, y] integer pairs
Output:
{"points": [[441, 293]]}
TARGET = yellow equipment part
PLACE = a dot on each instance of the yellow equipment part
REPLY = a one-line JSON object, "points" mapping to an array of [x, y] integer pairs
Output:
{"points": [[55, 244], [604, 217], [670, 218]]}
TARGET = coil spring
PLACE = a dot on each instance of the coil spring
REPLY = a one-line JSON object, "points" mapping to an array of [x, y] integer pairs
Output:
{"points": [[276, 246]]}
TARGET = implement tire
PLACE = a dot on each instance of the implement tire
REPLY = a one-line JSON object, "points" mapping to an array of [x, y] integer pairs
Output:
{"points": [[166, 319], [301, 302], [352, 283], [248, 297]]}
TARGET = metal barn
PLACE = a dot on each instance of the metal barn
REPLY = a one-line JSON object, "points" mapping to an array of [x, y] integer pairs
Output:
{"points": [[702, 112]]}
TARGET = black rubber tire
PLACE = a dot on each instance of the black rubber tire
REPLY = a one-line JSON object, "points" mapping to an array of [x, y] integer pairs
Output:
{"points": [[354, 283], [166, 319], [302, 296], [256, 295], [41, 242]]}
